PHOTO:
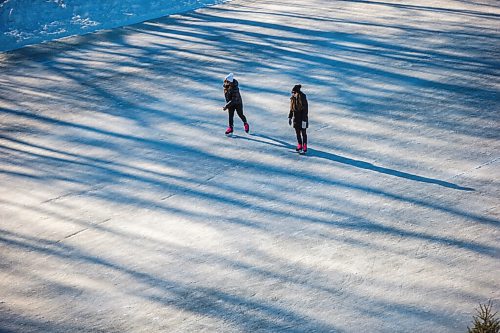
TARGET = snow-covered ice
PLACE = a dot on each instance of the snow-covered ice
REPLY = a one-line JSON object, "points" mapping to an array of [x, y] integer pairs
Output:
{"points": [[124, 208]]}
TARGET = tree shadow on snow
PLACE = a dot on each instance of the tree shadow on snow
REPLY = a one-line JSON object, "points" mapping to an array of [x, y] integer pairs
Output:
{"points": [[272, 50]]}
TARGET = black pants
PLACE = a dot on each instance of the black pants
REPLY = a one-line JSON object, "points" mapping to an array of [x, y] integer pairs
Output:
{"points": [[239, 111], [301, 136]]}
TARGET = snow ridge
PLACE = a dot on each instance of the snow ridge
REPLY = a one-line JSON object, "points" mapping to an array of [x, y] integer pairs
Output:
{"points": [[24, 22]]}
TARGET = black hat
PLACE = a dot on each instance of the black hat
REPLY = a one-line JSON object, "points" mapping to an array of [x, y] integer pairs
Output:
{"points": [[296, 88]]}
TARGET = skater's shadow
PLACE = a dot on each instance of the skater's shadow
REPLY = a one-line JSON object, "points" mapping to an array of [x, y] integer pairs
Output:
{"points": [[387, 171], [266, 140], [352, 162]]}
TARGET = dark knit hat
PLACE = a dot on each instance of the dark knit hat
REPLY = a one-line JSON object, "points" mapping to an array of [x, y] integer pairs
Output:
{"points": [[296, 88]]}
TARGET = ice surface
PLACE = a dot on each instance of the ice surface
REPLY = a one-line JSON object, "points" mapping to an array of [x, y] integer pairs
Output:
{"points": [[124, 208]]}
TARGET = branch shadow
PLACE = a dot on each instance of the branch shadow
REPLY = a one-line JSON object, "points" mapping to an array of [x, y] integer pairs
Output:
{"points": [[240, 311]]}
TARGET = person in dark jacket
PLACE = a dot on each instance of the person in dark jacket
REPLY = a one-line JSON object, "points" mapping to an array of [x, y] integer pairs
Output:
{"points": [[299, 117], [233, 102]]}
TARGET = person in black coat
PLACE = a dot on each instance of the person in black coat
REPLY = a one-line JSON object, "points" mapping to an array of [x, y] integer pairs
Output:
{"points": [[299, 117], [233, 102]]}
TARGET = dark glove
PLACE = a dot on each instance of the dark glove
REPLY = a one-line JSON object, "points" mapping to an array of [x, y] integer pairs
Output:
{"points": [[290, 121], [224, 108]]}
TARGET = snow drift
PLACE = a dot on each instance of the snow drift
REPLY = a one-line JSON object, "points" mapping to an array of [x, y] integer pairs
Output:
{"points": [[24, 22]]}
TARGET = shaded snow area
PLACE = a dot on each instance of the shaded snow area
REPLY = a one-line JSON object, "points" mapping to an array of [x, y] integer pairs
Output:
{"points": [[24, 22], [125, 208]]}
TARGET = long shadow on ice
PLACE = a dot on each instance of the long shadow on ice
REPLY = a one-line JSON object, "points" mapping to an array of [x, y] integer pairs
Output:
{"points": [[268, 140], [369, 166], [355, 163]]}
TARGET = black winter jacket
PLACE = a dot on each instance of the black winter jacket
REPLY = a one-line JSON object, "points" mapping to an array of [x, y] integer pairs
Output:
{"points": [[299, 111], [232, 94]]}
